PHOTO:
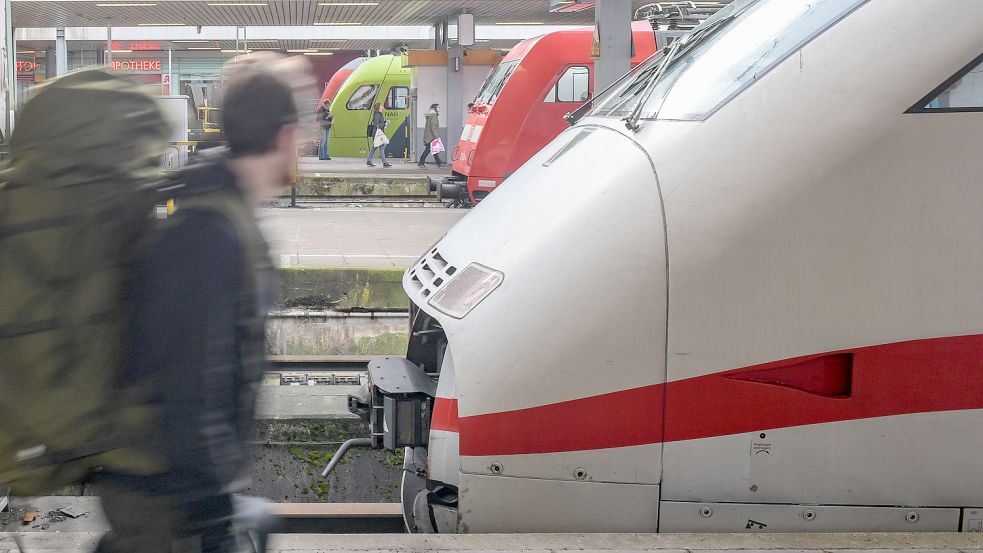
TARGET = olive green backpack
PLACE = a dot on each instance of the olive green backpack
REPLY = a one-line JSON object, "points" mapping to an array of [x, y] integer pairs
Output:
{"points": [[76, 205]]}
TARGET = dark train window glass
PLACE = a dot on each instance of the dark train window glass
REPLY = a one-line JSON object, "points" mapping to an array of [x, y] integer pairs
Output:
{"points": [[398, 98], [961, 92], [573, 86], [495, 82], [363, 97]]}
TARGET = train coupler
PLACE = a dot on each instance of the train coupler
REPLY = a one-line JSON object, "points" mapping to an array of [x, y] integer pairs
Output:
{"points": [[396, 402], [451, 188]]}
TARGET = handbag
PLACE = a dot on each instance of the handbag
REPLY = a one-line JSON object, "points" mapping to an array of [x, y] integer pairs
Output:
{"points": [[436, 146], [380, 138]]}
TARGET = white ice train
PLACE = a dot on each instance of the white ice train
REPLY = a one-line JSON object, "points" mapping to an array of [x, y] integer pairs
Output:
{"points": [[743, 293]]}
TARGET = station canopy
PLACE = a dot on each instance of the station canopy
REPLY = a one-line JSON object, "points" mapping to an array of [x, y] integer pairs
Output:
{"points": [[324, 24]]}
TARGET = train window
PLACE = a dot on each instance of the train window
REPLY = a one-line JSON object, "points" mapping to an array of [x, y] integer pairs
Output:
{"points": [[740, 45], [495, 82], [363, 97], [573, 86], [961, 92], [398, 98]]}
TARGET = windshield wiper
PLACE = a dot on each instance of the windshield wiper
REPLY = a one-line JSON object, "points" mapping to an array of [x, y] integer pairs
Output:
{"points": [[632, 120], [687, 42], [575, 115]]}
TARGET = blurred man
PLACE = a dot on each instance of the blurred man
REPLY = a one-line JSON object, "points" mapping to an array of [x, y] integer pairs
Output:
{"points": [[198, 303]]}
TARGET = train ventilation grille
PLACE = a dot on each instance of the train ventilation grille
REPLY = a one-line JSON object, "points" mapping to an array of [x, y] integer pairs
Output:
{"points": [[430, 273]]}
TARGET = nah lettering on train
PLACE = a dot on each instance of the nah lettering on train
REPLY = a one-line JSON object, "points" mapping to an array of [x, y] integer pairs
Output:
{"points": [[135, 65]]}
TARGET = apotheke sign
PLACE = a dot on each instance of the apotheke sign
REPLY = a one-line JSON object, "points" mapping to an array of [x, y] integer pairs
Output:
{"points": [[135, 65]]}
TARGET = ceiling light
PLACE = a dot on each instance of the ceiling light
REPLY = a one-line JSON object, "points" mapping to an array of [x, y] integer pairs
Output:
{"points": [[238, 4], [27, 52], [203, 48], [122, 51], [336, 23], [127, 5], [521, 23], [318, 53], [236, 51], [348, 4], [302, 50], [161, 25]]}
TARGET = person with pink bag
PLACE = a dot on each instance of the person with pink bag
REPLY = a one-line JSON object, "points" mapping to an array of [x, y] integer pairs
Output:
{"points": [[431, 138]]}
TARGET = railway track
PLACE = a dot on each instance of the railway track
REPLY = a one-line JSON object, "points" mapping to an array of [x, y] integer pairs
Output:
{"points": [[317, 369], [385, 199]]}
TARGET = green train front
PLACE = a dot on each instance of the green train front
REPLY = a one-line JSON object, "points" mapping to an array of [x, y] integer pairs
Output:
{"points": [[384, 80]]}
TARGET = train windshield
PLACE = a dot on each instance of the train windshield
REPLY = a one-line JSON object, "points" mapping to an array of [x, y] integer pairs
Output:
{"points": [[495, 82], [727, 53]]}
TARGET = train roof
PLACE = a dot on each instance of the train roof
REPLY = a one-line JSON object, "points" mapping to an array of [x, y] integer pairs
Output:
{"points": [[572, 38], [375, 69]]}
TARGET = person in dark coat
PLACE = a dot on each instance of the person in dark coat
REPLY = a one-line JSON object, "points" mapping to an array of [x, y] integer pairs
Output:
{"points": [[378, 123], [431, 132], [197, 305], [324, 118]]}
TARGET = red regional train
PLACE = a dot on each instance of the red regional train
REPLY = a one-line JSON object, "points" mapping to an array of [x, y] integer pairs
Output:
{"points": [[547, 77], [338, 79]]}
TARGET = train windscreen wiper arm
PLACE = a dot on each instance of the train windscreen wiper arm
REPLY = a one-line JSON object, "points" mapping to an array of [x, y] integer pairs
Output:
{"points": [[687, 42], [575, 115]]}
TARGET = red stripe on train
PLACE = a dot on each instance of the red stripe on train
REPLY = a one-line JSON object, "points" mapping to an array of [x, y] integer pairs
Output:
{"points": [[444, 415], [918, 376]]}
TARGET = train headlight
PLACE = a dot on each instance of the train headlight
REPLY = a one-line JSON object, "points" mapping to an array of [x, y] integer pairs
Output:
{"points": [[466, 290]]}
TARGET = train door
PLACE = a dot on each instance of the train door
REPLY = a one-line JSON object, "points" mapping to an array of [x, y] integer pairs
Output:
{"points": [[570, 87], [394, 95], [396, 107]]}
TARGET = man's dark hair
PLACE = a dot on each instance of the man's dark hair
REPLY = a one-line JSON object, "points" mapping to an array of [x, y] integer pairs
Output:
{"points": [[257, 103], [434, 106]]}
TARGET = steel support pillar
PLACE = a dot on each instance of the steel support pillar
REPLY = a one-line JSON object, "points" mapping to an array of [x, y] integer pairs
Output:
{"points": [[452, 112], [10, 70], [109, 46], [49, 63], [61, 52], [612, 19]]}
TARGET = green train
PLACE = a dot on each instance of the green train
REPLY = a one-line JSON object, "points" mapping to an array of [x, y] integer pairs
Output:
{"points": [[381, 79]]}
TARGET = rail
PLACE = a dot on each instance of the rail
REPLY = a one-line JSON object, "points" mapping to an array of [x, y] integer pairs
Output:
{"points": [[338, 518], [320, 362], [312, 370]]}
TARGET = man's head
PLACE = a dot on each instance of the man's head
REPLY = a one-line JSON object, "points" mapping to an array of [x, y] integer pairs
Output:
{"points": [[259, 111], [326, 103], [435, 107]]}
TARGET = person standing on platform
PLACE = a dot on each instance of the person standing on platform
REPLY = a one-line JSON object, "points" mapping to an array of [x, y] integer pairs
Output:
{"points": [[324, 118], [431, 132], [197, 312], [378, 136]]}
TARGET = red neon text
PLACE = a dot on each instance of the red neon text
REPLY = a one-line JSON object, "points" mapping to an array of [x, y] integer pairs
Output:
{"points": [[135, 65]]}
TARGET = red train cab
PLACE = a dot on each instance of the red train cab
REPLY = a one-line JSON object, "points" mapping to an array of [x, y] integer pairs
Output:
{"points": [[520, 107], [334, 84]]}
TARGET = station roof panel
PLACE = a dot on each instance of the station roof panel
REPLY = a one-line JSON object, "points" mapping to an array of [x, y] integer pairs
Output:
{"points": [[126, 13]]}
